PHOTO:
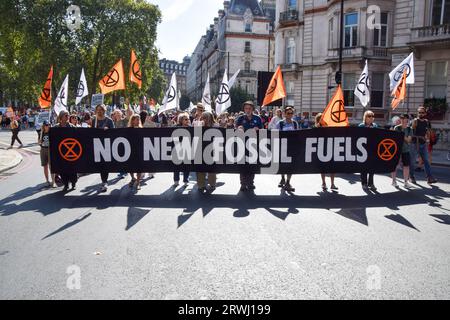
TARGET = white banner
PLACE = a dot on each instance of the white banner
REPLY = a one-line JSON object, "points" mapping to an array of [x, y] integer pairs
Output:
{"points": [[61, 98]]}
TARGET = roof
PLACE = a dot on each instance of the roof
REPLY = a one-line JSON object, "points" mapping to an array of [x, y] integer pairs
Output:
{"points": [[240, 6]]}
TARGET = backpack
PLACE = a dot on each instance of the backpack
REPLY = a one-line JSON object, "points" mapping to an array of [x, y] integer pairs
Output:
{"points": [[282, 124]]}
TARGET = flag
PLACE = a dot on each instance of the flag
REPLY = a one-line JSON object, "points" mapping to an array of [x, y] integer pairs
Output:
{"points": [[396, 75], [171, 99], [61, 98], [135, 70], [335, 115], [206, 98], [191, 107], [82, 90], [276, 89], [223, 101], [362, 90], [233, 79], [399, 94], [114, 80], [45, 100]]}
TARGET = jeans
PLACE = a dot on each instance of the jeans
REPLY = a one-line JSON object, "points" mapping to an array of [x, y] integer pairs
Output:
{"points": [[176, 176], [104, 176], [15, 137], [247, 180], [367, 179], [422, 150]]}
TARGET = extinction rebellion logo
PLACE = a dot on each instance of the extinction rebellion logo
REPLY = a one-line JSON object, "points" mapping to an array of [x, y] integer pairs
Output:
{"points": [[70, 149], [387, 149]]}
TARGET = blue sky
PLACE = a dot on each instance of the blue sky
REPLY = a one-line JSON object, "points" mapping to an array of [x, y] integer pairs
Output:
{"points": [[184, 22]]}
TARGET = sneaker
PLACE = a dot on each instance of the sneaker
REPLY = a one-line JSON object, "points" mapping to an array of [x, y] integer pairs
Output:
{"points": [[395, 184], [324, 188], [413, 180], [373, 188], [407, 185], [65, 189], [202, 190], [333, 187], [74, 186], [432, 181], [365, 187], [176, 183], [282, 183], [288, 188], [251, 187], [104, 187], [53, 185]]}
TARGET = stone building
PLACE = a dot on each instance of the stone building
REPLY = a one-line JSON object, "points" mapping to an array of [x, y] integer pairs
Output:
{"points": [[171, 66], [307, 48], [241, 37]]}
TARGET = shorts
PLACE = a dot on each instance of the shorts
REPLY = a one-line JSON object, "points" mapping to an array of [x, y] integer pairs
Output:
{"points": [[45, 157], [406, 159]]}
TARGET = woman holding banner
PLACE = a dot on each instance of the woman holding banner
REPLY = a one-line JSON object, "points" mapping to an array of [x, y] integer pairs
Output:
{"points": [[207, 120], [367, 180], [135, 122], [101, 121], [324, 176], [183, 121], [406, 157]]}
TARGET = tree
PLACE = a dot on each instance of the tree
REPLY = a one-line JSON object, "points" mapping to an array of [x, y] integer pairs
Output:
{"points": [[238, 97], [34, 35]]}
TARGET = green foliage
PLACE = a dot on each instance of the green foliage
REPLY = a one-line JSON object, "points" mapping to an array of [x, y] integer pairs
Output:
{"points": [[436, 105], [34, 35], [238, 97]]}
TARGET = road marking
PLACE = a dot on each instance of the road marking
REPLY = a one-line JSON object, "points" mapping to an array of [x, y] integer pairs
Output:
{"points": [[24, 149]]}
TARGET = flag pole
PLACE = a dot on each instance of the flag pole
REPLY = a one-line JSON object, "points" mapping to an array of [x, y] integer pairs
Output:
{"points": [[341, 45]]}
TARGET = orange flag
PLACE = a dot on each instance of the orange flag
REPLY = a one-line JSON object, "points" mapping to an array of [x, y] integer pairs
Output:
{"points": [[114, 80], [276, 89], [335, 115], [399, 92], [45, 100], [135, 70]]}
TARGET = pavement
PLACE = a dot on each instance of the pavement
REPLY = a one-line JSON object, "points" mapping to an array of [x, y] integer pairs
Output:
{"points": [[9, 159], [173, 243]]}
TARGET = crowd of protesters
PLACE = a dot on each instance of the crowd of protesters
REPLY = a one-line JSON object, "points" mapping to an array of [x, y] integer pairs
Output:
{"points": [[416, 147]]}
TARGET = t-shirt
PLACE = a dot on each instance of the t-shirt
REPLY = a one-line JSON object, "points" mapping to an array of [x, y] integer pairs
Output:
{"points": [[422, 127], [45, 140], [254, 122], [363, 125], [101, 124], [408, 133], [283, 125]]}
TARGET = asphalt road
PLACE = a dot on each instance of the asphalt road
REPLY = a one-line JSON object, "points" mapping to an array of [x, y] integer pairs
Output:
{"points": [[166, 243]]}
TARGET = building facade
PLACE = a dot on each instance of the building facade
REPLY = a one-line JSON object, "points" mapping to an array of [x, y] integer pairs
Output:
{"points": [[241, 37], [171, 66], [383, 32]]}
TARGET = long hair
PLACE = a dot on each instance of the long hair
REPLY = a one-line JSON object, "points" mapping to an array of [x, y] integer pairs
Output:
{"points": [[132, 119], [208, 119], [366, 115]]}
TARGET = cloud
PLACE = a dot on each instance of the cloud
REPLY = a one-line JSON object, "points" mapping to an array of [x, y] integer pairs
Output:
{"points": [[176, 9]]}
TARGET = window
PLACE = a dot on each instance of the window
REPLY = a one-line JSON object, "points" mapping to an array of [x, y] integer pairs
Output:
{"points": [[440, 13], [436, 79], [292, 4], [290, 90], [248, 27], [351, 30], [377, 90], [380, 35], [290, 50], [248, 47], [247, 66], [330, 33], [349, 85]]}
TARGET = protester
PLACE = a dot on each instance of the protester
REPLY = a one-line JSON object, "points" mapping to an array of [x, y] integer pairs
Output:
{"points": [[135, 122], [63, 122], [367, 178], [230, 123], [207, 120], [405, 157], [73, 119], [287, 124], [277, 118], [44, 142], [119, 120], [183, 121], [87, 121], [101, 121], [421, 137], [248, 121], [317, 124], [198, 116], [15, 129]]}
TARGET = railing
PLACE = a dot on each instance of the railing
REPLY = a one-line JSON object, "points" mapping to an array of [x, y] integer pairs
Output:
{"points": [[288, 16], [248, 73], [431, 32]]}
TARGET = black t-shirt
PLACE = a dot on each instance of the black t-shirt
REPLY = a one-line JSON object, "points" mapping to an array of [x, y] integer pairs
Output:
{"points": [[421, 129]]}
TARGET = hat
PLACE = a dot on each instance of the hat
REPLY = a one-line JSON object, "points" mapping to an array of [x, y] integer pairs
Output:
{"points": [[200, 106], [250, 103], [45, 123]]}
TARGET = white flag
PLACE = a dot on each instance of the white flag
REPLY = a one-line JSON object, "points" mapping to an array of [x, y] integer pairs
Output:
{"points": [[397, 74], [362, 90], [191, 107], [82, 90], [61, 98], [206, 98], [233, 79], [223, 101], [171, 99]]}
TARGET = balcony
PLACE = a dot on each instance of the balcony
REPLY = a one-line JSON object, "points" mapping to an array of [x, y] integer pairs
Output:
{"points": [[428, 35], [290, 17], [290, 67], [349, 53], [248, 73]]}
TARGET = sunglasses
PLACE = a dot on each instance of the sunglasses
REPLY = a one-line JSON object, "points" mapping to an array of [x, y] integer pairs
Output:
{"points": [[422, 113], [290, 113], [370, 116]]}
